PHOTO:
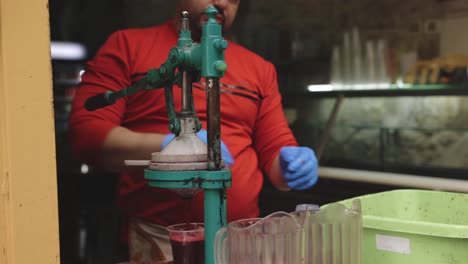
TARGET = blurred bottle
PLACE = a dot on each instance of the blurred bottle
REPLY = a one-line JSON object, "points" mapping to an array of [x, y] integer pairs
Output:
{"points": [[297, 46], [382, 72], [357, 72], [347, 68], [370, 61], [336, 77]]}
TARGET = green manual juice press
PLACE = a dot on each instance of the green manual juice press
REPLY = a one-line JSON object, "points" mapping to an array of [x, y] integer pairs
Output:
{"points": [[186, 165]]}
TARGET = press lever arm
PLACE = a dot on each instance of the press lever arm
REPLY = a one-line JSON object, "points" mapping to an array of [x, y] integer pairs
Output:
{"points": [[154, 79]]}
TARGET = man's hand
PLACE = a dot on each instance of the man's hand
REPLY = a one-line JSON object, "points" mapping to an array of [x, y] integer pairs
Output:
{"points": [[299, 167], [203, 135]]}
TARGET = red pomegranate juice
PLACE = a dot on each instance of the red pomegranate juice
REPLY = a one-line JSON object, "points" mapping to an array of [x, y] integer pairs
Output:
{"points": [[188, 248]]}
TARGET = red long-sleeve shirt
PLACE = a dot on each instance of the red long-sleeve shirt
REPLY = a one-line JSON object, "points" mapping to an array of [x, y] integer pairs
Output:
{"points": [[253, 125]]}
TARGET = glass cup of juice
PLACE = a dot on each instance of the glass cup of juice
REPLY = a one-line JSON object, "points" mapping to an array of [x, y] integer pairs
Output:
{"points": [[188, 243]]}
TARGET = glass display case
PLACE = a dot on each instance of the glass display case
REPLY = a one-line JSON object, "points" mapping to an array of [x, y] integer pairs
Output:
{"points": [[431, 152], [417, 130]]}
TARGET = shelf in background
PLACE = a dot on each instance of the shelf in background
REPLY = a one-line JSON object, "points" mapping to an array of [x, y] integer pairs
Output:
{"points": [[413, 90]]}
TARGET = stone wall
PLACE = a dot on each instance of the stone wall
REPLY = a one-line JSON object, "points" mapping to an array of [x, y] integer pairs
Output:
{"points": [[409, 131]]}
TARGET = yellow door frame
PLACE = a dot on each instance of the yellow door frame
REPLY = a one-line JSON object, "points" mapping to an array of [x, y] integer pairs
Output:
{"points": [[28, 187]]}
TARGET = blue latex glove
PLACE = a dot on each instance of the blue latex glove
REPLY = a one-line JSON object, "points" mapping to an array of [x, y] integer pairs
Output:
{"points": [[299, 167], [203, 135]]}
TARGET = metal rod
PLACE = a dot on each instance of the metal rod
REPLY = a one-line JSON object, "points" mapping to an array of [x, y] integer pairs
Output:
{"points": [[185, 20], [215, 215], [215, 206], [186, 77], [186, 92], [395, 179], [329, 127], [382, 143], [213, 124]]}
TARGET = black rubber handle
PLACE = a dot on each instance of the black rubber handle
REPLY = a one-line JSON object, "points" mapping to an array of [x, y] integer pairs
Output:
{"points": [[97, 101]]}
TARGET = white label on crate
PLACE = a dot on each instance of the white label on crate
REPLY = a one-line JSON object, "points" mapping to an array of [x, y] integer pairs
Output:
{"points": [[393, 244]]}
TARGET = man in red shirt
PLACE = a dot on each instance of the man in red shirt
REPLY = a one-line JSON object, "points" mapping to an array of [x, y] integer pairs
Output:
{"points": [[255, 134]]}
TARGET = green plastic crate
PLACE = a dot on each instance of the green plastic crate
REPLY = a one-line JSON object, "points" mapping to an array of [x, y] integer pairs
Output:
{"points": [[414, 227]]}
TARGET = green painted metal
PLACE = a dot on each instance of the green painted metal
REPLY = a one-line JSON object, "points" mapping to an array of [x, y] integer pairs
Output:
{"points": [[200, 60], [215, 219], [207, 58], [185, 38], [174, 123], [191, 57], [213, 46], [189, 179], [214, 184]]}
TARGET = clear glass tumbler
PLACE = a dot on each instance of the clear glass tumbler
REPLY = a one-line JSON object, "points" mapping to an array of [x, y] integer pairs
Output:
{"points": [[188, 243]]}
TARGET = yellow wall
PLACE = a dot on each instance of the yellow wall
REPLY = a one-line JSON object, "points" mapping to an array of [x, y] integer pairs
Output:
{"points": [[28, 191]]}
